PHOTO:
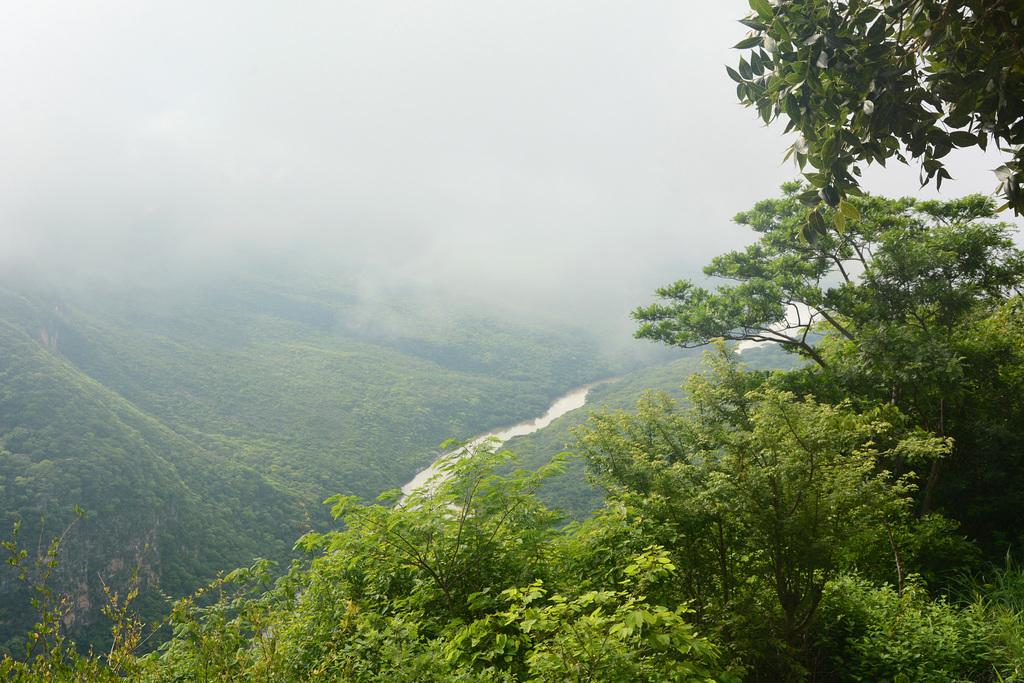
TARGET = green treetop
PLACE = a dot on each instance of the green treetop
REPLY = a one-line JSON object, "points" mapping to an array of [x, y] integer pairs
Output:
{"points": [[920, 265], [891, 309]]}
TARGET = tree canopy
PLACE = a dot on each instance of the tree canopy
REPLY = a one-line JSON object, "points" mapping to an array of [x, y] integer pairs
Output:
{"points": [[864, 81], [749, 566], [893, 311], [790, 486], [921, 266]]}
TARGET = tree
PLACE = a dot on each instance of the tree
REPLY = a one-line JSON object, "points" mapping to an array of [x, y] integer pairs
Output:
{"points": [[605, 635], [884, 307], [927, 265], [762, 496], [466, 530], [889, 309], [863, 81]]}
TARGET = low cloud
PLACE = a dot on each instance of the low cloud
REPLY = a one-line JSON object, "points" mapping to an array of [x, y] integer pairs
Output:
{"points": [[553, 153]]}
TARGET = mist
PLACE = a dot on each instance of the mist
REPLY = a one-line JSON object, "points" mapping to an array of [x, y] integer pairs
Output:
{"points": [[564, 156]]}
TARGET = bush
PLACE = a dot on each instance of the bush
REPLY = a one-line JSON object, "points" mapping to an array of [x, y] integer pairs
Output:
{"points": [[872, 633]]}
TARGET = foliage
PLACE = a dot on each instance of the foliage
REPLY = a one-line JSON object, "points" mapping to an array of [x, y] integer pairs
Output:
{"points": [[867, 80], [763, 515], [911, 319], [467, 580], [893, 311], [922, 265], [65, 437], [49, 655], [47, 636], [989, 429], [375, 604], [609, 635], [224, 631], [203, 427], [874, 633], [466, 532], [571, 492], [998, 593], [762, 497]]}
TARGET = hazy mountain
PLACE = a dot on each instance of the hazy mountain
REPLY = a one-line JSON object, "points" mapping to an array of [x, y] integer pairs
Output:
{"points": [[201, 425]]}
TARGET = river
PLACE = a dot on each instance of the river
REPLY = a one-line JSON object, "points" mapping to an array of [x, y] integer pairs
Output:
{"points": [[576, 398]]}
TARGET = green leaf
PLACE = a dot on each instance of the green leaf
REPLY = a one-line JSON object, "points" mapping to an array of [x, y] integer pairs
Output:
{"points": [[816, 222], [840, 220], [808, 236], [849, 210], [745, 70], [963, 139], [747, 43], [762, 8], [817, 179], [829, 195], [809, 198]]}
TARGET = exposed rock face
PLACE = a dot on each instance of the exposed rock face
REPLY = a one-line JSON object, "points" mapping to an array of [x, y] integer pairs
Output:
{"points": [[49, 333], [113, 557], [49, 338]]}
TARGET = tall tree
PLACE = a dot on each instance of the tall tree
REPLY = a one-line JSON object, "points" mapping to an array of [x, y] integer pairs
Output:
{"points": [[886, 308], [762, 495]]}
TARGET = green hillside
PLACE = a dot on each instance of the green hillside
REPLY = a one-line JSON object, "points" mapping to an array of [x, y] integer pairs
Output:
{"points": [[203, 426], [809, 524]]}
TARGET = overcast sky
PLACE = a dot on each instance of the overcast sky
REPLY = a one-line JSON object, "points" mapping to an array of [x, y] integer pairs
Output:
{"points": [[517, 145]]}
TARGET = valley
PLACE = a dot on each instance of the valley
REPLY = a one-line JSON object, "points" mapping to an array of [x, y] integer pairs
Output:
{"points": [[202, 426]]}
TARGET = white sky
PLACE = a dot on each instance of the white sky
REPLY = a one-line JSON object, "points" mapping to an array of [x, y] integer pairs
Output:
{"points": [[532, 147]]}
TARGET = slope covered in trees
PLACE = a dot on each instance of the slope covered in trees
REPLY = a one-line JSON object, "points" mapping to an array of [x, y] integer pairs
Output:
{"points": [[833, 522], [780, 525], [753, 537], [204, 427], [771, 528]]}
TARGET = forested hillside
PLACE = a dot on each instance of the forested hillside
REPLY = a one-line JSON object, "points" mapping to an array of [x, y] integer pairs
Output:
{"points": [[203, 426], [841, 520], [839, 506]]}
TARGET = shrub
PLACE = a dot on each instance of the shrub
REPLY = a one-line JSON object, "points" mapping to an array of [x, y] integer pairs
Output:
{"points": [[871, 632]]}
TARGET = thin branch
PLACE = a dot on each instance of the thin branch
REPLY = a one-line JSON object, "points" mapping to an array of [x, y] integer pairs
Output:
{"points": [[836, 324], [896, 554]]}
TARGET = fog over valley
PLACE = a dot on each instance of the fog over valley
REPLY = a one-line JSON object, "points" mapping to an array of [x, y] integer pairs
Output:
{"points": [[559, 154], [571, 156]]}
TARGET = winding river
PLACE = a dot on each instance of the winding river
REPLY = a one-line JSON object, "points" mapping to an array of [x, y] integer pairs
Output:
{"points": [[576, 398]]}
